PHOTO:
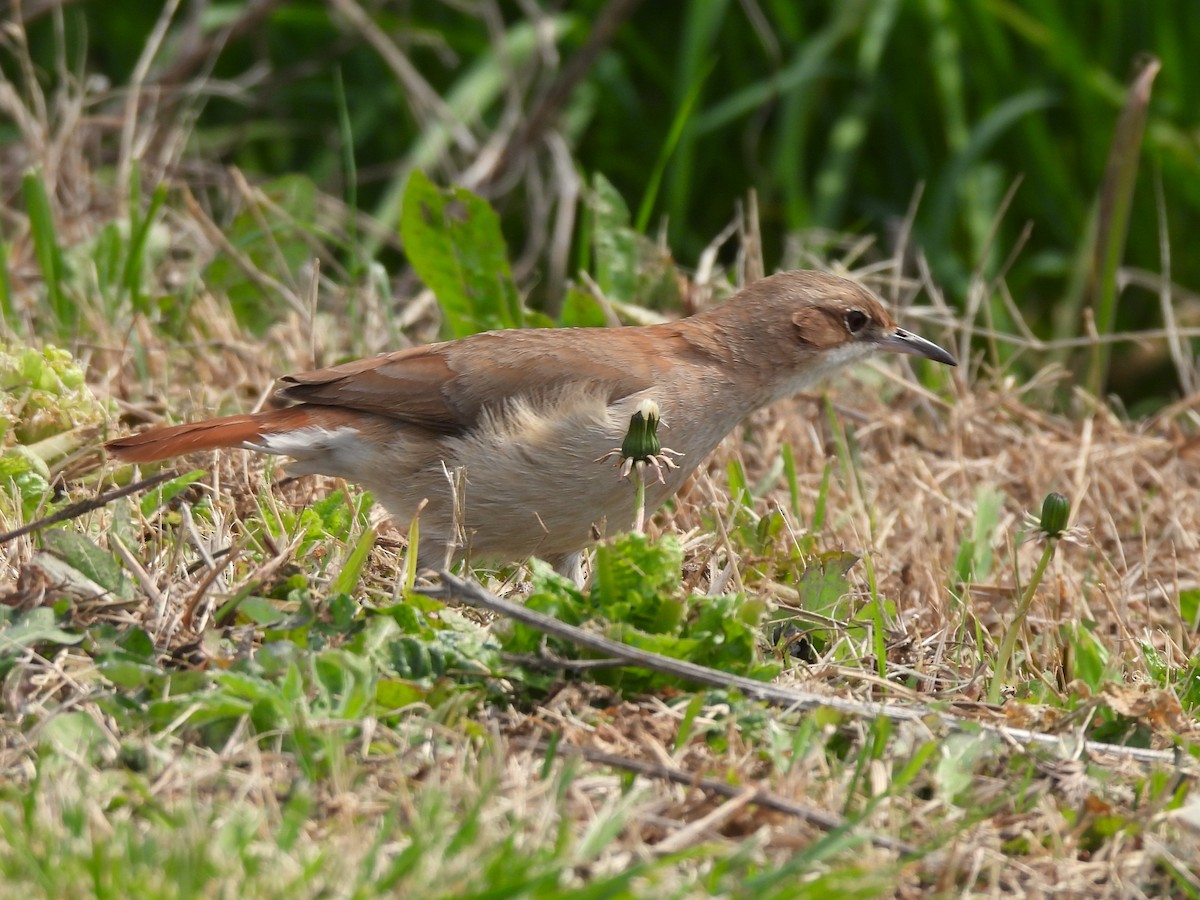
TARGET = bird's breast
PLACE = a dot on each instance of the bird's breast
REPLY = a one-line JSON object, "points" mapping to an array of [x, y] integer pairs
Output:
{"points": [[545, 471]]}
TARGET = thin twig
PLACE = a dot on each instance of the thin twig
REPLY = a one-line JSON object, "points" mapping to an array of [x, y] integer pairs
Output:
{"points": [[423, 100], [150, 50], [766, 799], [85, 506], [602, 31], [453, 587], [195, 56]]}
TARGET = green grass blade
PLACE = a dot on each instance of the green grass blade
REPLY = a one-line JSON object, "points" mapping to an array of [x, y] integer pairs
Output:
{"points": [[955, 185], [700, 35], [814, 59], [822, 499], [879, 623], [833, 182], [682, 116], [349, 172], [352, 570], [133, 274], [8, 315], [45, 245], [1115, 203], [789, 470]]}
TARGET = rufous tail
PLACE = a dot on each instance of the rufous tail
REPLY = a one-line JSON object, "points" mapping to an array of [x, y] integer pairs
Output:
{"points": [[214, 434]]}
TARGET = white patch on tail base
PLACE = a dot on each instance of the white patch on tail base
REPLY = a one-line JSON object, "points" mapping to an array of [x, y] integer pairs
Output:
{"points": [[318, 450]]}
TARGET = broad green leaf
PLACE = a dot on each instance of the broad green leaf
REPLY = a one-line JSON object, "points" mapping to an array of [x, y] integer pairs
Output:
{"points": [[34, 627], [261, 611], [82, 554], [277, 245], [28, 475], [130, 674], [76, 734], [453, 240], [614, 241], [1189, 608], [396, 693], [955, 771], [824, 582], [580, 310]]}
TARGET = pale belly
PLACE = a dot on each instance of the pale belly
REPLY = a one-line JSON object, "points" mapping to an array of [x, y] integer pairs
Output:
{"points": [[537, 483], [527, 481]]}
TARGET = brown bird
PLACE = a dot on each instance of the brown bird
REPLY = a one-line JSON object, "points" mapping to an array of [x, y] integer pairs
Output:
{"points": [[526, 414]]}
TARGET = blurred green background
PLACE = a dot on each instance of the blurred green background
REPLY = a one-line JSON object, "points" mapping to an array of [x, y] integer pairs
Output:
{"points": [[839, 115]]}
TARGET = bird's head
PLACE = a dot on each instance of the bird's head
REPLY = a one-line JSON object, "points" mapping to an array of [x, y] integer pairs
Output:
{"points": [[804, 325]]}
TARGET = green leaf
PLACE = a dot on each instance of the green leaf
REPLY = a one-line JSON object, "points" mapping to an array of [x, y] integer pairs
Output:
{"points": [[27, 474], [342, 610], [580, 310], [34, 627], [975, 555], [347, 578], [82, 554], [396, 693], [636, 598], [454, 242], [46, 396], [614, 242], [135, 261], [75, 734], [824, 582], [1189, 608], [131, 675], [261, 611], [955, 771], [8, 314], [1089, 657]]}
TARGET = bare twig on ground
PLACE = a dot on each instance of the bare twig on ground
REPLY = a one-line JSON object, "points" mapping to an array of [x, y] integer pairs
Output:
{"points": [[779, 695], [85, 506], [766, 799]]}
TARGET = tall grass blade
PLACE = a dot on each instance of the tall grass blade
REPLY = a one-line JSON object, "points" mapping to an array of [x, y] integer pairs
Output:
{"points": [[946, 195], [700, 34], [45, 245], [132, 276], [8, 315], [1112, 225], [349, 171], [832, 185], [682, 116]]}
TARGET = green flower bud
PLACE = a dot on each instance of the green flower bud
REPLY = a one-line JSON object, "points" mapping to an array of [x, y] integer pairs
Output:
{"points": [[1056, 509], [641, 440]]}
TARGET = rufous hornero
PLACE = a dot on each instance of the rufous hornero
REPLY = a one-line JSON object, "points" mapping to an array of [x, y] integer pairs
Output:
{"points": [[527, 413]]}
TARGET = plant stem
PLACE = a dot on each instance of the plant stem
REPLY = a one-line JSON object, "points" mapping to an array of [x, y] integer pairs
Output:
{"points": [[1009, 642], [639, 517]]}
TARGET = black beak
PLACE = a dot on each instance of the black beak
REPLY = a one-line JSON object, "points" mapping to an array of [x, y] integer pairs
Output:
{"points": [[902, 341]]}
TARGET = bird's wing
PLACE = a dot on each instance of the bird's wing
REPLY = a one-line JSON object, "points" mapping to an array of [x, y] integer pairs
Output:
{"points": [[445, 387]]}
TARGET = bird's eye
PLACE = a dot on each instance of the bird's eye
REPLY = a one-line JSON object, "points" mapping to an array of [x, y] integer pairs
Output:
{"points": [[856, 320]]}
